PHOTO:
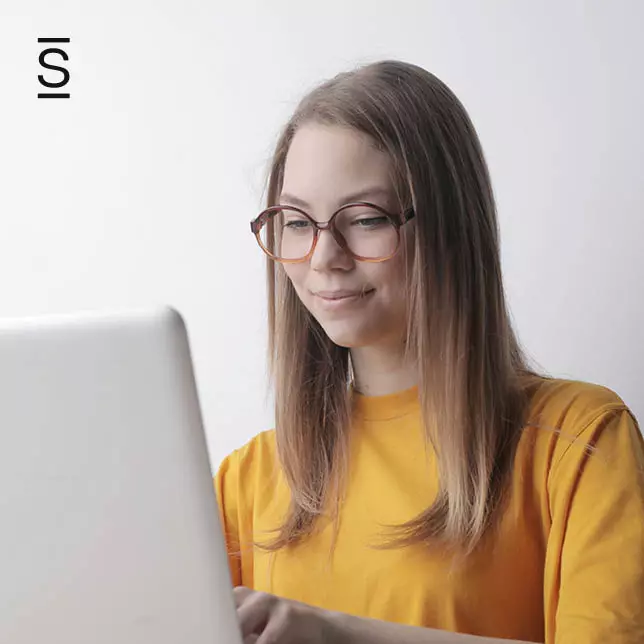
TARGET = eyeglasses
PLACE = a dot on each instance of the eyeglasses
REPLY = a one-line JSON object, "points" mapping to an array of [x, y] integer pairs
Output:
{"points": [[366, 232]]}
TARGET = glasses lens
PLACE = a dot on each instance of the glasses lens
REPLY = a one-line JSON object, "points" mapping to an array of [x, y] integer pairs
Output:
{"points": [[288, 234], [368, 232]]}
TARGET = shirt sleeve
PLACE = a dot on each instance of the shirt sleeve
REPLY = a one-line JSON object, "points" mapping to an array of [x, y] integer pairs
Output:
{"points": [[226, 486], [594, 585]]}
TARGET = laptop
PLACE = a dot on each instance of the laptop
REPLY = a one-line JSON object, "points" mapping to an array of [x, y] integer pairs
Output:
{"points": [[109, 526]]}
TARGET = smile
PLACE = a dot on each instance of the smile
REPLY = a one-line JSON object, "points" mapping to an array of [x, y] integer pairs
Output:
{"points": [[339, 299]]}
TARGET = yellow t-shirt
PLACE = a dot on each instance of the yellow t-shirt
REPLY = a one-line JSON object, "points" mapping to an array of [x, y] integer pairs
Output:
{"points": [[566, 565]]}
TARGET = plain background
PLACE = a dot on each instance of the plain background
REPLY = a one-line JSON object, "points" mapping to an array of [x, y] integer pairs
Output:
{"points": [[139, 189]]}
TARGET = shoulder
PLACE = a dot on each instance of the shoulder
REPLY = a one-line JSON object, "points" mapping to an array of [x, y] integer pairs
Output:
{"points": [[260, 444], [568, 419], [572, 401], [253, 463], [570, 407]]}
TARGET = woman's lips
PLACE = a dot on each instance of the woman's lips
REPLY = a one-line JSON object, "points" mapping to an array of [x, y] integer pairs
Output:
{"points": [[333, 300]]}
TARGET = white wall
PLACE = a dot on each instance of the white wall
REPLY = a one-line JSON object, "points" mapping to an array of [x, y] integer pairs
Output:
{"points": [[139, 189]]}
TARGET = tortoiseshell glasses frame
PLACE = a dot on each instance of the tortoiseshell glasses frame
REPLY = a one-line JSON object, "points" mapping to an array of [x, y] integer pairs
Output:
{"points": [[397, 221]]}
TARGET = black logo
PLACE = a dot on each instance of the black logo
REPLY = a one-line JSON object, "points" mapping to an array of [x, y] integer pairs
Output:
{"points": [[43, 63]]}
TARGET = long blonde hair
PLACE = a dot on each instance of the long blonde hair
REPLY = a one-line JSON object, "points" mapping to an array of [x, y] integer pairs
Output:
{"points": [[474, 379]]}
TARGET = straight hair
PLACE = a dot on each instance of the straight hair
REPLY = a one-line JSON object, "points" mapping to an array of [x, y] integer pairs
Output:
{"points": [[474, 379]]}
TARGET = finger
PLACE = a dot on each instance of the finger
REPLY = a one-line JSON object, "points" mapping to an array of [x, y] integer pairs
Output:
{"points": [[274, 632], [241, 594], [254, 613], [251, 639]]}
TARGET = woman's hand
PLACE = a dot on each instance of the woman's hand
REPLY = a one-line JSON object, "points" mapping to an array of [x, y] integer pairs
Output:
{"points": [[268, 619]]}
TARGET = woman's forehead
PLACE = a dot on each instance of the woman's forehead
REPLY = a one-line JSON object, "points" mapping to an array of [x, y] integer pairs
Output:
{"points": [[335, 143], [374, 194], [328, 164]]}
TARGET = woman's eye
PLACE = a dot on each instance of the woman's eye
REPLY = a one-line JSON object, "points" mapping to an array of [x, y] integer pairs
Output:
{"points": [[370, 222], [296, 223]]}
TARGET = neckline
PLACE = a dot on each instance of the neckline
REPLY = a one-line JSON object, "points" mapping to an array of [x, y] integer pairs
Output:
{"points": [[387, 406]]}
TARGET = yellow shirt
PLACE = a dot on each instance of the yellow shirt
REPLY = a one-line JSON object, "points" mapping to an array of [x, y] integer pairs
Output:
{"points": [[565, 567]]}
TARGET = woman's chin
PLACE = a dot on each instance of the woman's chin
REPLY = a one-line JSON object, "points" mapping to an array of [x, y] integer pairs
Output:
{"points": [[347, 336]]}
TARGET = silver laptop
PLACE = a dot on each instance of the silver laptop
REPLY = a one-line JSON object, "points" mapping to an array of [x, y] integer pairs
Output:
{"points": [[109, 528]]}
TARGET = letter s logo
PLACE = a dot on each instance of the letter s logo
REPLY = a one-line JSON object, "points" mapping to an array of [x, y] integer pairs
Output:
{"points": [[46, 65], [50, 51]]}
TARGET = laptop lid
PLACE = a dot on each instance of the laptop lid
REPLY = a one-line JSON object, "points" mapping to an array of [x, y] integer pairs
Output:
{"points": [[109, 528]]}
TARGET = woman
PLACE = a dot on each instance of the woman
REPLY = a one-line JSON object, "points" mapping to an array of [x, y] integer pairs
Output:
{"points": [[423, 483]]}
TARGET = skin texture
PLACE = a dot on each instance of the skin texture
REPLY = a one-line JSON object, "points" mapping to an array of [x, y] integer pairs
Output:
{"points": [[326, 167]]}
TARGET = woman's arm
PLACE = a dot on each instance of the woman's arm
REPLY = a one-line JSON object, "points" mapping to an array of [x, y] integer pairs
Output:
{"points": [[359, 630], [268, 619], [347, 629]]}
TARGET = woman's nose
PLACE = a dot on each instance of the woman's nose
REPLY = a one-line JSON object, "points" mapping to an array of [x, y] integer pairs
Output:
{"points": [[328, 253]]}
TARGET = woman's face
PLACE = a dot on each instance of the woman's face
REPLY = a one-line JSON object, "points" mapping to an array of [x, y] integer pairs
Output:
{"points": [[357, 303]]}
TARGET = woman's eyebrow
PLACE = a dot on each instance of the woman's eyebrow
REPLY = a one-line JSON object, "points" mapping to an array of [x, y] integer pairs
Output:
{"points": [[361, 195]]}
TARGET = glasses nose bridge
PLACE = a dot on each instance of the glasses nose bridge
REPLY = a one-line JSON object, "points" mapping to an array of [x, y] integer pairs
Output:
{"points": [[330, 226], [338, 239], [326, 225], [323, 225]]}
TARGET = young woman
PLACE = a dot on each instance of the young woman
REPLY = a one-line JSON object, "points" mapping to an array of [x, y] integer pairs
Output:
{"points": [[423, 483]]}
